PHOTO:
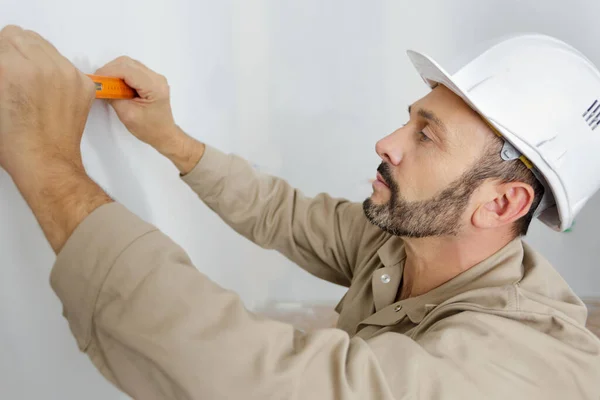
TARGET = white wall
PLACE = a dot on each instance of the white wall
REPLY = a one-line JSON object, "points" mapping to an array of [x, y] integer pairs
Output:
{"points": [[302, 88]]}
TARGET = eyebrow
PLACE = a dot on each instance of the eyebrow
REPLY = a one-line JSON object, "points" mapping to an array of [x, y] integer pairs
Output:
{"points": [[430, 116]]}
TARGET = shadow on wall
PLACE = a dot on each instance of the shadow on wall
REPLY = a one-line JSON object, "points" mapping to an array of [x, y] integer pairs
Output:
{"points": [[103, 157]]}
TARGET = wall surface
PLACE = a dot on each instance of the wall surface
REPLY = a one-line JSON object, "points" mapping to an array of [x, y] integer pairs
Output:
{"points": [[301, 88]]}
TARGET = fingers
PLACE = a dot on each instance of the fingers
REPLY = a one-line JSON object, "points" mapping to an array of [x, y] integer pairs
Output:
{"points": [[133, 72]]}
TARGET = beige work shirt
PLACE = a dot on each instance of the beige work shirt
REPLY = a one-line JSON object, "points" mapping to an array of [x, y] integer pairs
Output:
{"points": [[157, 328]]}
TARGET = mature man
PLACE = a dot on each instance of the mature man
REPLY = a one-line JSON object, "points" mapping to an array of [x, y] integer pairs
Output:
{"points": [[445, 301]]}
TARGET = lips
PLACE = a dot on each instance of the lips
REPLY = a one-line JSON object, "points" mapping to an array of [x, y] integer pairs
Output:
{"points": [[380, 179]]}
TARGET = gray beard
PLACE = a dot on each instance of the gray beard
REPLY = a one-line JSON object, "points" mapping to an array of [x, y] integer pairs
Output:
{"points": [[439, 216]]}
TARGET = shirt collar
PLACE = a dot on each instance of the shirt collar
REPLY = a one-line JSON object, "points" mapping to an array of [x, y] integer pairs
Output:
{"points": [[505, 267]]}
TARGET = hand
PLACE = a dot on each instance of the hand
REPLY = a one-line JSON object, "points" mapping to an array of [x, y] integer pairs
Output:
{"points": [[44, 104], [149, 116]]}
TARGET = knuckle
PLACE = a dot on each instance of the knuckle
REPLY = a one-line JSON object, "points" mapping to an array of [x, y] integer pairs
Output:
{"points": [[124, 59], [162, 83], [32, 34], [11, 30], [165, 90], [139, 63]]}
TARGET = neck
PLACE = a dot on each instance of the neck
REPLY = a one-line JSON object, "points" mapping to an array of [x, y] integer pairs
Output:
{"points": [[433, 261]]}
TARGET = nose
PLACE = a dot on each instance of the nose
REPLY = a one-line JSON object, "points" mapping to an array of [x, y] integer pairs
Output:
{"points": [[391, 147]]}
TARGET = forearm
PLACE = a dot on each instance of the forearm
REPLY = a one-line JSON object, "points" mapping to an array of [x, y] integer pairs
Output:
{"points": [[267, 210], [314, 233], [61, 196], [183, 150]]}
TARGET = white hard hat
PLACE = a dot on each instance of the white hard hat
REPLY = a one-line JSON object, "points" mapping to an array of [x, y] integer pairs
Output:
{"points": [[543, 97]]}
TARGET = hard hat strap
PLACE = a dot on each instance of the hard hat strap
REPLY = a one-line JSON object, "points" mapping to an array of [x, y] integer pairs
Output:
{"points": [[509, 152]]}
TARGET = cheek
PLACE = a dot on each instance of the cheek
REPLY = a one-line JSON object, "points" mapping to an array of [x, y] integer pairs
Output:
{"points": [[423, 180]]}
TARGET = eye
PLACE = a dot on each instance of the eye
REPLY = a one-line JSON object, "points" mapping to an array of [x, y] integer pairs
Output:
{"points": [[423, 137]]}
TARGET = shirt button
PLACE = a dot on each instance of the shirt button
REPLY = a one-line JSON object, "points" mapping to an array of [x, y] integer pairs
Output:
{"points": [[398, 308], [385, 278]]}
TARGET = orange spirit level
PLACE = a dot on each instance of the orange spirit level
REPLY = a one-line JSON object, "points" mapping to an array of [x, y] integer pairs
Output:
{"points": [[112, 88]]}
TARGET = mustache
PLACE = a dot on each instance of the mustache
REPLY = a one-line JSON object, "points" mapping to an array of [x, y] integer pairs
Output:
{"points": [[386, 173]]}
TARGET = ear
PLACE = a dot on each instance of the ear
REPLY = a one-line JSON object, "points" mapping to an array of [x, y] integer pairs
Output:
{"points": [[507, 203]]}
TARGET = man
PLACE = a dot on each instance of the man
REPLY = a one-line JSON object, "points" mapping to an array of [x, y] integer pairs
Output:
{"points": [[445, 301]]}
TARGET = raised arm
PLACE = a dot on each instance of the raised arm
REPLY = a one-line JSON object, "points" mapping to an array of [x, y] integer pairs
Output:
{"points": [[157, 328], [151, 322], [322, 234]]}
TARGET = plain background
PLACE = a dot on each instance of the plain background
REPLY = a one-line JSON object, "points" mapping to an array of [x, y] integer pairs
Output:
{"points": [[303, 89]]}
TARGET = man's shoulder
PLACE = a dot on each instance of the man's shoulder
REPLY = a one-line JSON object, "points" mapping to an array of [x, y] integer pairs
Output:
{"points": [[543, 290], [534, 354], [537, 308]]}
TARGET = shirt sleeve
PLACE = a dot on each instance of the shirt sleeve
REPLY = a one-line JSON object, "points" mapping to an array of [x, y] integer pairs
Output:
{"points": [[157, 328], [323, 234]]}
